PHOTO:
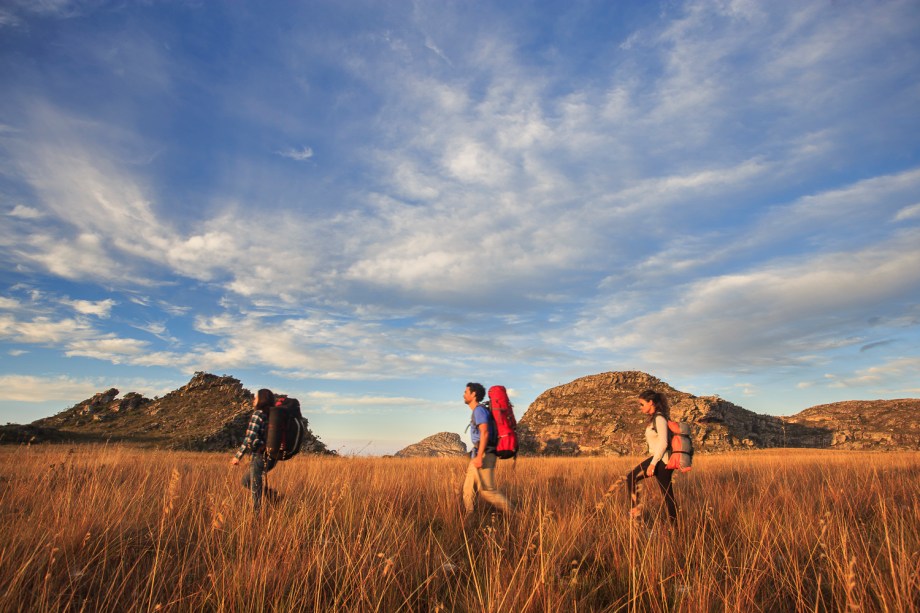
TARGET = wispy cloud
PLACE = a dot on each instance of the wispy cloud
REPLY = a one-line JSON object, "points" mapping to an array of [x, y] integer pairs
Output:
{"points": [[876, 345], [31, 388], [98, 308], [24, 212], [70, 390], [298, 155], [909, 212], [884, 377], [775, 314]]}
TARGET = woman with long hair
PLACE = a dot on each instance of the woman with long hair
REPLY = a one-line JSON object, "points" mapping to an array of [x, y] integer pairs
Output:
{"points": [[655, 405]]}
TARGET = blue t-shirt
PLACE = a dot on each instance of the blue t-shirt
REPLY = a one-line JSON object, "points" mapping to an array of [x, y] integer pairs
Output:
{"points": [[482, 415]]}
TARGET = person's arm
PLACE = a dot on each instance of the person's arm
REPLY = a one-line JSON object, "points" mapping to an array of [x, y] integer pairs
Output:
{"points": [[483, 441], [661, 428], [252, 431]]}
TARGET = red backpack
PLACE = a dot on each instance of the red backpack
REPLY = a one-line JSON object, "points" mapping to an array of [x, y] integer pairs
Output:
{"points": [[503, 412]]}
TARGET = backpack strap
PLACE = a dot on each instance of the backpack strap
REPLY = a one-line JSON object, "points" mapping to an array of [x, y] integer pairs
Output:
{"points": [[668, 432]]}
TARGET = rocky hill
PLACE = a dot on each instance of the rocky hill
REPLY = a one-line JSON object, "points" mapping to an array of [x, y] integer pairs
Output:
{"points": [[866, 424], [210, 413], [440, 445], [598, 415]]}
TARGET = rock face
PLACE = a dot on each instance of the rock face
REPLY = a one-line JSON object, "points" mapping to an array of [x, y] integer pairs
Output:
{"points": [[866, 424], [598, 415], [440, 445], [209, 413]]}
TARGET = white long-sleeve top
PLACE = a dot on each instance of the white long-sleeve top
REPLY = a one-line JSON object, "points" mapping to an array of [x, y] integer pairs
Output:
{"points": [[657, 439]]}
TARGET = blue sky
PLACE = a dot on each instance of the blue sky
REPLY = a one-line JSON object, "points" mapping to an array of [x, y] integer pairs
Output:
{"points": [[368, 204]]}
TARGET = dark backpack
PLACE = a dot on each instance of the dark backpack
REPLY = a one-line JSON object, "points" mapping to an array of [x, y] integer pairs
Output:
{"points": [[285, 432], [680, 445], [503, 413]]}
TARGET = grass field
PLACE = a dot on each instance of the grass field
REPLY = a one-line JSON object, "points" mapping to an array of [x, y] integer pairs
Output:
{"points": [[122, 529]]}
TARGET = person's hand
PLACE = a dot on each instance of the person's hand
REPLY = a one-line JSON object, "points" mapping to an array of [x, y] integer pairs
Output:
{"points": [[651, 471], [235, 462], [477, 461]]}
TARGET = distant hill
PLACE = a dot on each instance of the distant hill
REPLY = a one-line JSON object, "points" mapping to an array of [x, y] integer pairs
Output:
{"points": [[209, 413], [866, 424], [442, 444], [598, 415]]}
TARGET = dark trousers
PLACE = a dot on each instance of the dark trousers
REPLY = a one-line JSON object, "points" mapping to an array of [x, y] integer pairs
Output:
{"points": [[252, 480], [662, 475]]}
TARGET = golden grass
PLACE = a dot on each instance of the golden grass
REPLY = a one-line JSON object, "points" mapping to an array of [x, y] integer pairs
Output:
{"points": [[121, 529]]}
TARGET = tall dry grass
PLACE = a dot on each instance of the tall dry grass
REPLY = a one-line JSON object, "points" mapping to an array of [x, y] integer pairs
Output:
{"points": [[119, 529]]}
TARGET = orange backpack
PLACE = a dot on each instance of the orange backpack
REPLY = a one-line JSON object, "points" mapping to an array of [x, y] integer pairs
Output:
{"points": [[680, 445]]}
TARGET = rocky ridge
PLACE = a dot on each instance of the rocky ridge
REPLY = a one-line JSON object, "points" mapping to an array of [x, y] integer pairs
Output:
{"points": [[597, 415], [866, 424], [209, 413], [440, 445]]}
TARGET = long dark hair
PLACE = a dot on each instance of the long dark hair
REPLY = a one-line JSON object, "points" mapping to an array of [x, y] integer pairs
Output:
{"points": [[659, 400], [265, 399]]}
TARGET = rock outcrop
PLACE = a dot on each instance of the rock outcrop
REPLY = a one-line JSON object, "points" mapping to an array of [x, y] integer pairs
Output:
{"points": [[209, 413], [866, 424], [598, 415], [440, 445]]}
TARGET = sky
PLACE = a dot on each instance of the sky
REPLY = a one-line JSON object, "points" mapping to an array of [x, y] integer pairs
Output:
{"points": [[369, 204]]}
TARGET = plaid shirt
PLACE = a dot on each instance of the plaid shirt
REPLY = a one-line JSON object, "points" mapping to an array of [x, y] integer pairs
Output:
{"points": [[255, 434]]}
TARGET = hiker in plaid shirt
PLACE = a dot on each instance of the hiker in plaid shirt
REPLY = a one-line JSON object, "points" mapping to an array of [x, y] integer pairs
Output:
{"points": [[254, 443]]}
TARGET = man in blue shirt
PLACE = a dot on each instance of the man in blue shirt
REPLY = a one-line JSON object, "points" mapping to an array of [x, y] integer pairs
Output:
{"points": [[481, 472]]}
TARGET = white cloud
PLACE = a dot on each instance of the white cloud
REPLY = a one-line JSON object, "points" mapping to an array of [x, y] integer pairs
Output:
{"points": [[908, 212], [772, 315], [70, 390], [853, 206], [335, 348], [43, 330], [24, 212], [115, 350], [298, 155], [429, 44], [99, 308], [473, 162], [410, 182], [76, 337], [466, 152], [157, 329], [844, 218], [887, 376], [8, 18], [30, 388], [746, 389], [202, 255], [83, 256]]}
